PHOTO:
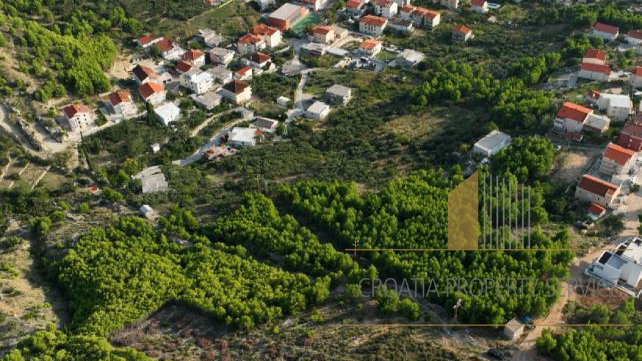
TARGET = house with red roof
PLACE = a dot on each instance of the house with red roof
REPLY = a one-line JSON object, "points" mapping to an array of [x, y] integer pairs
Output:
{"points": [[260, 62], [591, 189], [355, 7], [184, 66], [195, 57], [450, 4], [271, 36], [78, 116], [631, 137], [479, 6], [370, 47], [462, 34], [634, 37], [596, 211], [636, 77], [169, 49], [592, 71], [372, 25], [617, 106], [616, 160], [237, 91], [595, 56], [142, 74], [605, 31], [147, 40], [245, 73], [421, 17], [386, 8], [121, 103], [574, 118], [250, 43], [152, 93], [323, 34]]}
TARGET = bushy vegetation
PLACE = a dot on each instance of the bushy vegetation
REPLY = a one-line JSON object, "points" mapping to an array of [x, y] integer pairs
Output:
{"points": [[528, 159]]}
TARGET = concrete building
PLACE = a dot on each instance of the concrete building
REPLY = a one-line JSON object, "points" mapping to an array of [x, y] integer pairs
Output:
{"points": [[592, 71], [152, 93], [450, 4], [574, 118], [121, 103], [605, 31], [594, 190], [409, 58], [286, 16], [237, 91], [168, 113], [622, 267], [78, 116], [265, 125], [242, 137], [401, 26], [221, 56], [372, 25], [616, 160], [271, 36], [318, 110], [617, 106], [198, 82], [221, 74], [209, 100], [462, 34], [323, 34], [209, 37], [249, 44], [148, 212], [513, 329], [386, 8], [195, 57], [338, 94], [492, 143], [636, 77]]}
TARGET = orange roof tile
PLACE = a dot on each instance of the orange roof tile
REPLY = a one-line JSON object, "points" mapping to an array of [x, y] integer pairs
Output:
{"points": [[148, 89], [119, 97], [369, 44], [596, 54], [597, 186], [574, 112], [193, 54], [596, 68], [73, 109], [606, 28], [618, 154], [373, 20], [462, 29], [636, 34]]}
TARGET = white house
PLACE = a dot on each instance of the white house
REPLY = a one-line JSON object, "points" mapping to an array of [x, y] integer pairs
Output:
{"points": [[373, 25], [237, 91], [338, 94], [152, 93], [195, 57], [250, 43], [623, 266], [595, 56], [634, 37], [616, 160], [617, 106], [385, 8], [574, 118], [148, 40], [594, 72], [604, 31], [492, 143], [283, 102], [168, 113], [636, 77], [221, 56], [513, 329], [221, 74], [265, 125], [370, 47], [318, 110], [121, 103], [323, 34], [170, 50], [245, 73], [451, 4], [271, 36], [259, 60], [462, 34], [242, 137], [198, 82], [594, 190], [479, 6], [142, 74], [401, 26], [78, 116]]}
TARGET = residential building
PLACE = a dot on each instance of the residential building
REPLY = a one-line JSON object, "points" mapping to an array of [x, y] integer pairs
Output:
{"points": [[385, 8], [250, 43], [631, 137], [142, 74], [121, 103], [596, 211], [264, 4], [409, 58], [209, 100], [195, 57], [265, 125], [405, 11], [242, 137], [401, 26], [616, 160], [237, 91], [323, 34], [402, 2], [594, 72], [462, 34], [634, 37], [338, 94], [221, 56], [148, 40], [221, 74], [78, 116], [451, 4], [318, 110], [314, 49], [355, 7], [148, 212], [370, 47], [245, 73], [513, 329], [621, 267], [595, 56], [604, 31], [271, 36], [617, 106], [152, 93], [594, 190], [209, 37], [287, 15], [314, 5], [168, 113], [492, 143], [372, 25], [184, 67], [260, 60], [169, 49], [198, 82], [574, 118], [479, 6], [636, 77]]}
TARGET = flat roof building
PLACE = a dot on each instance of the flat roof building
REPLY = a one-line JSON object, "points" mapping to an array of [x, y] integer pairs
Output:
{"points": [[287, 15], [492, 143]]}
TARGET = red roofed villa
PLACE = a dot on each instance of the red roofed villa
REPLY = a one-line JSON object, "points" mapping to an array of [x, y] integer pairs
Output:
{"points": [[616, 160], [462, 33], [604, 31], [594, 190]]}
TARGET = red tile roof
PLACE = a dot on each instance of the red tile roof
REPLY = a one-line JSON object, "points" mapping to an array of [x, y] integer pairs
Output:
{"points": [[236, 86], [596, 210], [193, 54], [408, 8], [184, 66], [263, 29], [637, 71], [146, 39], [165, 45], [606, 28], [595, 54], [597, 186], [594, 94], [383, 3], [322, 30], [596, 68], [574, 112], [373, 20], [148, 89], [618, 154], [73, 109], [431, 14], [260, 57], [119, 97], [250, 39], [244, 70], [142, 72], [369, 44], [636, 34], [462, 29], [478, 2], [354, 4]]}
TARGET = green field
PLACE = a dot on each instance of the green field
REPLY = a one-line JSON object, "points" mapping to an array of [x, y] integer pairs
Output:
{"points": [[299, 27]]}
